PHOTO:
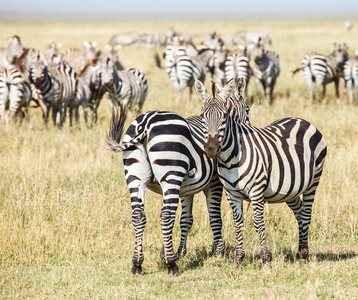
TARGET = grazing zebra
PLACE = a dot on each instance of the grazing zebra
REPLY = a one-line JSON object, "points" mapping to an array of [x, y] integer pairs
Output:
{"points": [[237, 64], [273, 164], [128, 87], [57, 86], [126, 39], [320, 70], [249, 37], [266, 69], [14, 91], [8, 55], [77, 58], [351, 78], [182, 68]]}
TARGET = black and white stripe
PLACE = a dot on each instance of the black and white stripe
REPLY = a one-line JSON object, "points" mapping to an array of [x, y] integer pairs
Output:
{"points": [[274, 164], [126, 39], [8, 55], [128, 87], [266, 69], [319, 70], [251, 37], [77, 58], [182, 68], [57, 86], [351, 78]]}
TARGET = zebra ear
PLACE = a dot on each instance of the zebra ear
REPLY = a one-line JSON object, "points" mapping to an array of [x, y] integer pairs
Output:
{"points": [[241, 83], [229, 89], [200, 89]]}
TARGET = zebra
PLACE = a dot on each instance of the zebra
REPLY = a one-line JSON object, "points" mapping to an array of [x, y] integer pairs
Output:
{"points": [[237, 64], [77, 58], [203, 54], [164, 152], [182, 68], [52, 54], [351, 77], [273, 164], [8, 55], [348, 25], [112, 54], [126, 39], [320, 70], [57, 86], [128, 87], [181, 37], [249, 37], [89, 93], [266, 69], [15, 92]]}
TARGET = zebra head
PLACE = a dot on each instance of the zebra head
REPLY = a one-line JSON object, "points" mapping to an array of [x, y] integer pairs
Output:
{"points": [[216, 110], [340, 54], [38, 72], [107, 73]]}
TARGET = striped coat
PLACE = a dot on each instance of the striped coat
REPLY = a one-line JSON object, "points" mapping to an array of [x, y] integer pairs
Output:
{"points": [[274, 164]]}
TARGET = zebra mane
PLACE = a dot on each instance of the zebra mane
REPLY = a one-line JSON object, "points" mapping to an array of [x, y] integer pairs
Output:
{"points": [[213, 90]]}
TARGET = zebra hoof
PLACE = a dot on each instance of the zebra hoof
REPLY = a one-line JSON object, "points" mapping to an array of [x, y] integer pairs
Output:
{"points": [[173, 269], [137, 270]]}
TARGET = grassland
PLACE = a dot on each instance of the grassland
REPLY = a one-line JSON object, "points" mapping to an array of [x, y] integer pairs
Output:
{"points": [[65, 216]]}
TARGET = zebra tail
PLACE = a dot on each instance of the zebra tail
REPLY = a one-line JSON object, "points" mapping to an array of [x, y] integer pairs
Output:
{"points": [[157, 61], [295, 71], [115, 132]]}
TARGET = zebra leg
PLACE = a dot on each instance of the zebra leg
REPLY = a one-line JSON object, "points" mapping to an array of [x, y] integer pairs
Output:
{"points": [[186, 221], [336, 84], [213, 200], [167, 218], [138, 174], [237, 210], [259, 224], [296, 206]]}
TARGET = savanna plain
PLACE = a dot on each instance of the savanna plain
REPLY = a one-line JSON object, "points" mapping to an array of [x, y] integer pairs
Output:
{"points": [[65, 214]]}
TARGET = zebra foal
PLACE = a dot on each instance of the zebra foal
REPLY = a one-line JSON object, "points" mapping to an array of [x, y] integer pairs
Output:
{"points": [[274, 164]]}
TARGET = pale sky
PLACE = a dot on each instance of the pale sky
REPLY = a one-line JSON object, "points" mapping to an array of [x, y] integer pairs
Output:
{"points": [[182, 6]]}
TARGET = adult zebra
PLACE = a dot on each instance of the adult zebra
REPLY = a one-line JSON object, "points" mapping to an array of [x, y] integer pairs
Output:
{"points": [[182, 68], [249, 37], [164, 152], [8, 55], [126, 39], [274, 164], [351, 77], [266, 69], [15, 92], [320, 70], [127, 87], [237, 64], [57, 85]]}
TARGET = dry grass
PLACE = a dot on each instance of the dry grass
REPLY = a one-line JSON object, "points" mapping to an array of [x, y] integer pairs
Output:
{"points": [[65, 216]]}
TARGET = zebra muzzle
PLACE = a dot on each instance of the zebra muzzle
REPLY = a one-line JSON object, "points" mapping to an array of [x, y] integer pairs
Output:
{"points": [[212, 147]]}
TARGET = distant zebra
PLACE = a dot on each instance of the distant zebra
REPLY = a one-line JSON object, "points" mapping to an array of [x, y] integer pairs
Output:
{"points": [[351, 78], [320, 69], [250, 37], [15, 92], [266, 69], [77, 58], [237, 64], [126, 39], [57, 86], [273, 164], [8, 55], [348, 25], [89, 93], [52, 53], [155, 40], [182, 68], [128, 87], [183, 38]]}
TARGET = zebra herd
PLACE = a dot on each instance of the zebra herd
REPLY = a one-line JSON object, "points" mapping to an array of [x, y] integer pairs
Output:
{"points": [[179, 157], [185, 63], [64, 82]]}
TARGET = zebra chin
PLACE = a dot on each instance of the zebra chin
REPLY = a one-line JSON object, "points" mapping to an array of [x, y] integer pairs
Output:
{"points": [[212, 147]]}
